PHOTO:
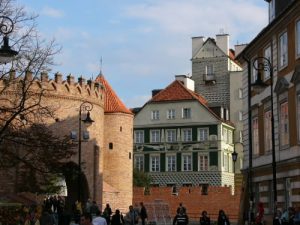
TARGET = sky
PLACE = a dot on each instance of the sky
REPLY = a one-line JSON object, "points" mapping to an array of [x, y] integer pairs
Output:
{"points": [[143, 44]]}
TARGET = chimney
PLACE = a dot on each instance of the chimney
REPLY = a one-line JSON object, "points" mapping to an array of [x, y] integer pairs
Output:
{"points": [[239, 48], [58, 78], [222, 41], [70, 79], [44, 76], [28, 75], [197, 43], [187, 82]]}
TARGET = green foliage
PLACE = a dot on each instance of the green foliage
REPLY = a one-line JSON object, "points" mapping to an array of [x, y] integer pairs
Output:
{"points": [[141, 179]]}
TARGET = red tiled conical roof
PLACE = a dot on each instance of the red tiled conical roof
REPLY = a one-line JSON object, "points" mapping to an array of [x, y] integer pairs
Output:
{"points": [[112, 102]]}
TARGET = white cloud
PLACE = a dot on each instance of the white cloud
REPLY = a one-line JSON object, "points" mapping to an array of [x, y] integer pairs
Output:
{"points": [[52, 12]]}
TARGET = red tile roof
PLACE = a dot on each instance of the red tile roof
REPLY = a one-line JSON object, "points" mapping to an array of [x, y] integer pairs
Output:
{"points": [[177, 91], [112, 102]]}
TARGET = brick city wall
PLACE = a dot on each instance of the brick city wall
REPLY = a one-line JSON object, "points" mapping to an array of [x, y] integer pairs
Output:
{"points": [[191, 197]]}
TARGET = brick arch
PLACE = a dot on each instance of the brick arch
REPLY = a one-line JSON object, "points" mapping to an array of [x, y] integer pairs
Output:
{"points": [[70, 172]]}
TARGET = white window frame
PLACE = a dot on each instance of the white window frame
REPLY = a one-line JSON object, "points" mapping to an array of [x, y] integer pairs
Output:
{"points": [[203, 162], [284, 124], [226, 162], [186, 113], [139, 162], [297, 38], [255, 135], [171, 114], [171, 135], [268, 55], [154, 163], [155, 115], [187, 162], [283, 50], [225, 134], [254, 71], [203, 134], [171, 164], [230, 137], [154, 136], [187, 134], [240, 115], [139, 136], [268, 130]]}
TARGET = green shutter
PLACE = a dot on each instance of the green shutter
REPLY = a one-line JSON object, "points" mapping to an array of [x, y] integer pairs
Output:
{"points": [[163, 162], [147, 169], [194, 133], [178, 158], [195, 161], [213, 130], [213, 158]]}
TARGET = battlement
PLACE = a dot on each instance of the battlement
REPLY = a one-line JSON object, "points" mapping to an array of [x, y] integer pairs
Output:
{"points": [[57, 87]]}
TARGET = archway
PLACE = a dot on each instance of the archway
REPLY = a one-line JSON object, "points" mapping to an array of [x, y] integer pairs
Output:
{"points": [[70, 171]]}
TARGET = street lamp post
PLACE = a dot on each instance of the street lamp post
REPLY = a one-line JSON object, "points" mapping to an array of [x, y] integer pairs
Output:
{"points": [[6, 27], [84, 107], [264, 64], [234, 158]]}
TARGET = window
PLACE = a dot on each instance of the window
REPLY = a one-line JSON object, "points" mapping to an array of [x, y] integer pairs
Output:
{"points": [[230, 140], [254, 71], [154, 136], [298, 115], [255, 138], [283, 50], [138, 136], [203, 134], [154, 163], [187, 134], [171, 114], [268, 55], [240, 93], [209, 72], [225, 162], [203, 162], [139, 162], [186, 162], [204, 189], [155, 115], [268, 131], [171, 135], [186, 113], [240, 115], [225, 136], [171, 163], [298, 38], [284, 128]]}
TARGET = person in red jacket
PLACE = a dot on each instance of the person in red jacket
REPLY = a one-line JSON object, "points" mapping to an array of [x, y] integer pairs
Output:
{"points": [[259, 219]]}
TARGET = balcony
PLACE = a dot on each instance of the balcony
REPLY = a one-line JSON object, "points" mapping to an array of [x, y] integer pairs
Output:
{"points": [[209, 78]]}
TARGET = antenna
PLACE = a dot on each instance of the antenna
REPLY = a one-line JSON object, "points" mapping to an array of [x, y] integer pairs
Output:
{"points": [[101, 65]]}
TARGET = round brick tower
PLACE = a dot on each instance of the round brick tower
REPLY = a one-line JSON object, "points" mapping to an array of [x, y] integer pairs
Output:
{"points": [[117, 150]]}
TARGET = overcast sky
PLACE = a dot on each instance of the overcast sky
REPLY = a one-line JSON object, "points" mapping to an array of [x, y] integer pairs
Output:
{"points": [[143, 43]]}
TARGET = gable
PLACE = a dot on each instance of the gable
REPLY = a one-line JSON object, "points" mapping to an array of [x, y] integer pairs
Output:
{"points": [[209, 49], [200, 114]]}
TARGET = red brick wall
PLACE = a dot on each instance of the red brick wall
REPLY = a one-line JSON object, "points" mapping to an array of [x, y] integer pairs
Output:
{"points": [[216, 199]]}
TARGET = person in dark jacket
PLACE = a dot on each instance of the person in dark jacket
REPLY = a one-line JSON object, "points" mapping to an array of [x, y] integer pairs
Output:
{"points": [[204, 219], [117, 218], [143, 213], [181, 218], [223, 219]]}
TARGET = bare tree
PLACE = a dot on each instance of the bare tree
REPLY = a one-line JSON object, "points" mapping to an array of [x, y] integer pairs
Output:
{"points": [[24, 136]]}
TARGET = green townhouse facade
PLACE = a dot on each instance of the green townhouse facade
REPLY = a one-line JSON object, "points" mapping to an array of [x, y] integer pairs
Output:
{"points": [[180, 141]]}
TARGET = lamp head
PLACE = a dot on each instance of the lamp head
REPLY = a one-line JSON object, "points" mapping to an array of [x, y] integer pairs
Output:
{"points": [[6, 53], [88, 121], [234, 156], [259, 85]]}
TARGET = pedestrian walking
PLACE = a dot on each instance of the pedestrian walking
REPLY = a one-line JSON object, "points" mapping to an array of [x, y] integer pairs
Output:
{"points": [[260, 214], [181, 218], [222, 218], [204, 219], [277, 218], [99, 220], [107, 213], [143, 213], [131, 217], [117, 218], [86, 219]]}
